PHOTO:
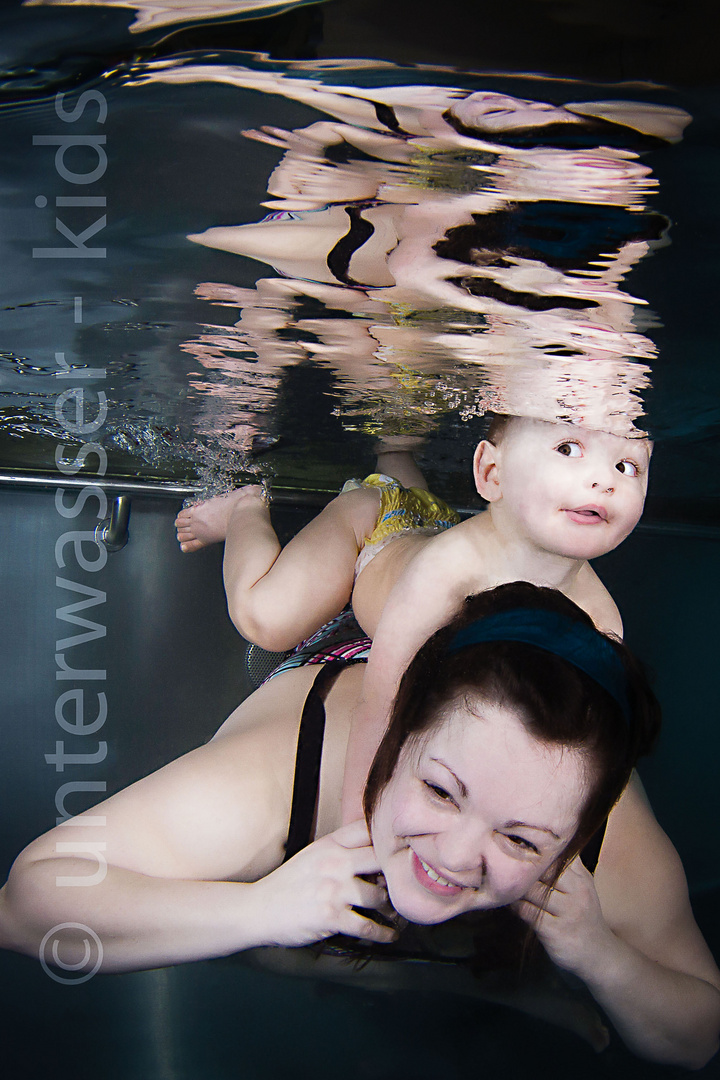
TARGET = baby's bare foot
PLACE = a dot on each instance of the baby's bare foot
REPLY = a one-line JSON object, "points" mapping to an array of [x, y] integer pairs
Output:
{"points": [[207, 522]]}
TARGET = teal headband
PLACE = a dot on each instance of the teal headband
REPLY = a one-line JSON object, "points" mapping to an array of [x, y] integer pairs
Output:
{"points": [[581, 645]]}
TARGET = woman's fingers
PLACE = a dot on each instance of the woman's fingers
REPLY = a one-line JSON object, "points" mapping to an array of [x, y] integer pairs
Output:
{"points": [[539, 895], [358, 926], [575, 872], [353, 835], [539, 899], [526, 911], [316, 893], [564, 885], [356, 838], [369, 895], [365, 861]]}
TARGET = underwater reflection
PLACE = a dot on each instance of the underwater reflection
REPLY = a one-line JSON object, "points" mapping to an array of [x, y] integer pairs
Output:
{"points": [[150, 14], [442, 249]]}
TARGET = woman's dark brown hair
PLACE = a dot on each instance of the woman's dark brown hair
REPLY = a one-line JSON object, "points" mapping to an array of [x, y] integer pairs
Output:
{"points": [[558, 703]]}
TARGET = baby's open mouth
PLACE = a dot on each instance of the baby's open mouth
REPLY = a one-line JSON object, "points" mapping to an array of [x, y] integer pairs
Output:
{"points": [[587, 515]]}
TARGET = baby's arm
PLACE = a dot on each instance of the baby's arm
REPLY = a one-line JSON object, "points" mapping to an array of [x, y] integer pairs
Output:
{"points": [[426, 596], [593, 597]]}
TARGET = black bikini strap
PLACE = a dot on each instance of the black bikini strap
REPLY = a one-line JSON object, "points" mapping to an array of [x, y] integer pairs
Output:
{"points": [[591, 852], [306, 786]]}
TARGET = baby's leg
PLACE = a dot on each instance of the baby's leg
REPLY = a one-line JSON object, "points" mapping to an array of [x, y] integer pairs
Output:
{"points": [[277, 597], [206, 522], [395, 458]]}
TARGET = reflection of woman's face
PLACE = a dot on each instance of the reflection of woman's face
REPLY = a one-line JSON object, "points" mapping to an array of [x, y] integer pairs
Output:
{"points": [[475, 813], [498, 112]]}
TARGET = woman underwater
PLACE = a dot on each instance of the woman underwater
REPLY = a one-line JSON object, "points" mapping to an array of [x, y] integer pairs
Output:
{"points": [[513, 735]]}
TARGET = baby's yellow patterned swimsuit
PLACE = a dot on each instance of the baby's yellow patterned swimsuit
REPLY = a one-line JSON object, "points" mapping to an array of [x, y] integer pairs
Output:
{"points": [[402, 510]]}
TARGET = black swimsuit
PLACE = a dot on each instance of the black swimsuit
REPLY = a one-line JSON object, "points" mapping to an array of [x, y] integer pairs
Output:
{"points": [[306, 786], [360, 231]]}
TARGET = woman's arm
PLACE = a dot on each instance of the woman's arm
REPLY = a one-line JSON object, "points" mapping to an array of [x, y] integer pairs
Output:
{"points": [[629, 933], [146, 871]]}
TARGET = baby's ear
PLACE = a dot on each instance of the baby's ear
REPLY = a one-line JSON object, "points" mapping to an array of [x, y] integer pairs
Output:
{"points": [[485, 471]]}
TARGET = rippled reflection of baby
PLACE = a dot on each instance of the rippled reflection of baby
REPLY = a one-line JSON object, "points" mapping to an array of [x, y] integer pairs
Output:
{"points": [[558, 494]]}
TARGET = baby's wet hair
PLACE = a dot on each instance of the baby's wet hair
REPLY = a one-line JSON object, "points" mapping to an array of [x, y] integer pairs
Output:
{"points": [[497, 426]]}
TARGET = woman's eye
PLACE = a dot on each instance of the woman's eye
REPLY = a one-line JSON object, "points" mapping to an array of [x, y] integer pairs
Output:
{"points": [[521, 842], [441, 793], [570, 449], [628, 468]]}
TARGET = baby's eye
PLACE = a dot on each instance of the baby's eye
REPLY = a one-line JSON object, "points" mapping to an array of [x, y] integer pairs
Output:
{"points": [[569, 449], [521, 842], [627, 468]]}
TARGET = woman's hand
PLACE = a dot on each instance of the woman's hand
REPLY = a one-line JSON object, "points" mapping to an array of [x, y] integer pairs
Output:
{"points": [[569, 920], [643, 960], [312, 895]]}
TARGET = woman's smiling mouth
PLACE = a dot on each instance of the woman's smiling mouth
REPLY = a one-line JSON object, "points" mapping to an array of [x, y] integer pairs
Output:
{"points": [[432, 881]]}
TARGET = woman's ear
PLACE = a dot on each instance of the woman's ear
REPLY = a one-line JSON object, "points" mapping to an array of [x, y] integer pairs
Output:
{"points": [[485, 471]]}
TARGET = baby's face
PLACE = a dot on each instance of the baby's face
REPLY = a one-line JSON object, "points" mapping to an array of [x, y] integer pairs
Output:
{"points": [[571, 490]]}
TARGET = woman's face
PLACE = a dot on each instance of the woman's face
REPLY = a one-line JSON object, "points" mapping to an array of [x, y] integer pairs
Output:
{"points": [[499, 112], [476, 811]]}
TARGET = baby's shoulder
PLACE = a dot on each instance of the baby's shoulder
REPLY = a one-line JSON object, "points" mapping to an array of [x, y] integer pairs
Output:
{"points": [[469, 534], [460, 554], [591, 595]]}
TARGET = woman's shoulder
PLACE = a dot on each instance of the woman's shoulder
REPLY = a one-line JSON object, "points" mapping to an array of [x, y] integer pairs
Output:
{"points": [[274, 709], [639, 877], [220, 811], [261, 736], [643, 891], [633, 836]]}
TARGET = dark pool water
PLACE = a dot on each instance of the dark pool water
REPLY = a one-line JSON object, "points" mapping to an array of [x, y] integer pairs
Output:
{"points": [[189, 368]]}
